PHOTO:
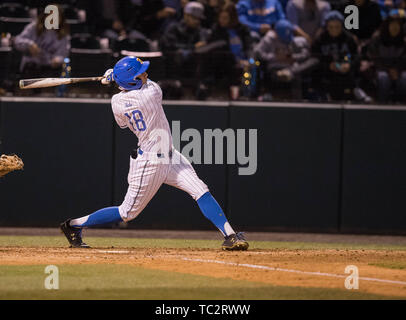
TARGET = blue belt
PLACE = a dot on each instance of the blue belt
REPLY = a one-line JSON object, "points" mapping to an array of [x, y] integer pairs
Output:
{"points": [[159, 155]]}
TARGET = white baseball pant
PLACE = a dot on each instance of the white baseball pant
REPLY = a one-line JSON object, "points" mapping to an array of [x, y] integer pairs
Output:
{"points": [[147, 174]]}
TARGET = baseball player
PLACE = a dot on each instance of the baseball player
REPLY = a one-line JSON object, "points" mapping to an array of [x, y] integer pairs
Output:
{"points": [[138, 107]]}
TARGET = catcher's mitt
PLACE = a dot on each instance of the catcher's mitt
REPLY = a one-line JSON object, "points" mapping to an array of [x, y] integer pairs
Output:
{"points": [[10, 163]]}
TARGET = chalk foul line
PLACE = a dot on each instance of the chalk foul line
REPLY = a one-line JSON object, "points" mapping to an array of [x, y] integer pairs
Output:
{"points": [[254, 266], [113, 251]]}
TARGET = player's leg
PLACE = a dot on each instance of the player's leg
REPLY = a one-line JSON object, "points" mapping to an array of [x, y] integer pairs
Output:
{"points": [[144, 179], [99, 217], [72, 228], [182, 176]]}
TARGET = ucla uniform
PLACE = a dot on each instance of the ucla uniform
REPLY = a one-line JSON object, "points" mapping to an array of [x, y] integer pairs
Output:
{"points": [[138, 107], [157, 161]]}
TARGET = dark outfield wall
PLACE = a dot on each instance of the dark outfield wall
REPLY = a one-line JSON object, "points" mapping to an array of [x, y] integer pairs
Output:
{"points": [[66, 149], [296, 186], [321, 168], [374, 171]]}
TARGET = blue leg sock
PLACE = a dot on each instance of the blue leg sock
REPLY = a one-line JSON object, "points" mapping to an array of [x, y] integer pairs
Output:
{"points": [[102, 216], [212, 211]]}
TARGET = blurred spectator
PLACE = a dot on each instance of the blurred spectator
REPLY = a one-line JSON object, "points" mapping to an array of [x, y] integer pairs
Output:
{"points": [[211, 11], [106, 19], [337, 53], [44, 50], [146, 16], [369, 19], [135, 21], [285, 57], [178, 6], [284, 3], [308, 15], [260, 15], [387, 51], [387, 5], [231, 57], [110, 21], [369, 22], [180, 42]]}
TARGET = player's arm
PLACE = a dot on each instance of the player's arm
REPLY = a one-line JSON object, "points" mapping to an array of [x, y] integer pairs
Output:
{"points": [[122, 126], [118, 117]]}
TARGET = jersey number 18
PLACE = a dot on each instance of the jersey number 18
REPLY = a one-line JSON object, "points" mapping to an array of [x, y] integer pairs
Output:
{"points": [[137, 120]]}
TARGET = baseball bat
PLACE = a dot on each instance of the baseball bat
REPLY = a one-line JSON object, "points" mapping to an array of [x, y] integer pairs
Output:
{"points": [[53, 82]]}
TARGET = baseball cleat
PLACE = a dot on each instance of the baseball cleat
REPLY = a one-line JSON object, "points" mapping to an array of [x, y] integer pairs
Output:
{"points": [[235, 242], [74, 235]]}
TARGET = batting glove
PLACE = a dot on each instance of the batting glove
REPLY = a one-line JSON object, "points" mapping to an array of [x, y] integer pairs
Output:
{"points": [[107, 77]]}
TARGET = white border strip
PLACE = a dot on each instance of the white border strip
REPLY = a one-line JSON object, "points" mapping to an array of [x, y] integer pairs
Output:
{"points": [[108, 101], [195, 103], [90, 51], [154, 54], [246, 104], [374, 107], [254, 266], [285, 105]]}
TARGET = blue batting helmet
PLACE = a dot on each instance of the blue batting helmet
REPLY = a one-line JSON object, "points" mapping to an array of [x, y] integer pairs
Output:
{"points": [[126, 70]]}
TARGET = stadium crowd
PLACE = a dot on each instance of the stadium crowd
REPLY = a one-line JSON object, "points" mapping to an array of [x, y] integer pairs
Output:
{"points": [[250, 49]]}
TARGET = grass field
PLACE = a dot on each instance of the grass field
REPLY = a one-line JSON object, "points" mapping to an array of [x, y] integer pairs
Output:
{"points": [[130, 268]]}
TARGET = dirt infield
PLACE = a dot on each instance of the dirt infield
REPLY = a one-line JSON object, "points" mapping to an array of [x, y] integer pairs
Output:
{"points": [[382, 270], [299, 268], [215, 235]]}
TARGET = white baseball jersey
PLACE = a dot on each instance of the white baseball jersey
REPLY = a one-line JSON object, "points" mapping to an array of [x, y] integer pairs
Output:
{"points": [[141, 111]]}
